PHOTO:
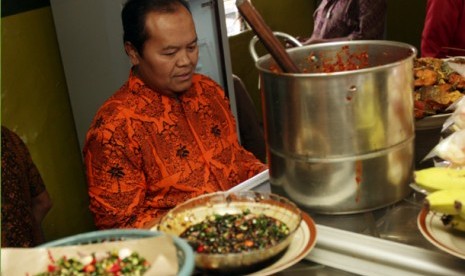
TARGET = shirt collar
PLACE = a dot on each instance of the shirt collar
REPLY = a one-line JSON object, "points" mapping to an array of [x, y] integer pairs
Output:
{"points": [[135, 83]]}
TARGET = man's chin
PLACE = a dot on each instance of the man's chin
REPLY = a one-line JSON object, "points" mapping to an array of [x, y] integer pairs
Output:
{"points": [[182, 87]]}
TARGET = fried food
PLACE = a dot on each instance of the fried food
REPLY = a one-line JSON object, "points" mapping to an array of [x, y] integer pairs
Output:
{"points": [[437, 86], [457, 80], [433, 63], [425, 77]]}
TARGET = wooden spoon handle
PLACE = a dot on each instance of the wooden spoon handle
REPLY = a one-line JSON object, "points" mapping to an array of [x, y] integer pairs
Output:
{"points": [[271, 43]]}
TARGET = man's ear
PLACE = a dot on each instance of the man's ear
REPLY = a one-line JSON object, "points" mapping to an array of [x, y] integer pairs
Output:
{"points": [[132, 53]]}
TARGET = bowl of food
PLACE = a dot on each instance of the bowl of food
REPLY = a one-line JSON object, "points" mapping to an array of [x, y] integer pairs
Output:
{"points": [[114, 246], [234, 232]]}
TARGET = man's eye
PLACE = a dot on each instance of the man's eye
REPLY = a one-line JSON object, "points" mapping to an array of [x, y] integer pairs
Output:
{"points": [[169, 53]]}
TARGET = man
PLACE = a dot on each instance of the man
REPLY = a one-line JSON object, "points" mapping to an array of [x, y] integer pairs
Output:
{"points": [[444, 30], [167, 134], [25, 200], [348, 20]]}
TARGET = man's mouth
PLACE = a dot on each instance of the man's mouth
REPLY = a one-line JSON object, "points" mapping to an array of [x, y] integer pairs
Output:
{"points": [[184, 77]]}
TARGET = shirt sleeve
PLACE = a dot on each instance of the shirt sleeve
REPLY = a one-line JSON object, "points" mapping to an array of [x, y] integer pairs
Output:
{"points": [[117, 185], [372, 18], [440, 26], [246, 160]]}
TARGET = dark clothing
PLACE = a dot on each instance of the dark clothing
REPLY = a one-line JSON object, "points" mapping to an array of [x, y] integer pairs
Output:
{"points": [[444, 30], [21, 182], [250, 129], [350, 19]]}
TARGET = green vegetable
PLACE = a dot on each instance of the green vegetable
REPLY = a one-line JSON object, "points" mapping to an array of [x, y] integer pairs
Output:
{"points": [[111, 264], [235, 233]]}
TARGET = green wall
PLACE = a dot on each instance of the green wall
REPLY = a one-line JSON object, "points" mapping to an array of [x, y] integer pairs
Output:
{"points": [[35, 104]]}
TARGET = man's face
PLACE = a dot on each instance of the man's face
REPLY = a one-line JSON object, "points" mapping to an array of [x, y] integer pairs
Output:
{"points": [[170, 53]]}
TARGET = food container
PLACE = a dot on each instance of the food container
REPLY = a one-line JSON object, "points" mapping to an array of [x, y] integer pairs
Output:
{"points": [[167, 255], [341, 141], [196, 210]]}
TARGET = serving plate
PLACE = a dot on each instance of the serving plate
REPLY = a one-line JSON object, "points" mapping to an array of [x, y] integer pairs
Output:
{"points": [[197, 209], [457, 64], [447, 240], [436, 121], [431, 122], [304, 241]]}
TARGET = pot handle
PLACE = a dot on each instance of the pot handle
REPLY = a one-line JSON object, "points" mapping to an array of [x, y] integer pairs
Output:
{"points": [[254, 40]]}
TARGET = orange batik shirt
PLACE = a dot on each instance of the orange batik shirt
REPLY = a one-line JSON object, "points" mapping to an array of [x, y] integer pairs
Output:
{"points": [[145, 152]]}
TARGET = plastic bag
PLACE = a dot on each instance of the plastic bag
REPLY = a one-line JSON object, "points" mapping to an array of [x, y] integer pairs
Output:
{"points": [[457, 120], [451, 149]]}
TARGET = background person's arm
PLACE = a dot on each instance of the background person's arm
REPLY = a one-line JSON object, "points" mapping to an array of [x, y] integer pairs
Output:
{"points": [[41, 205], [440, 26], [372, 20]]}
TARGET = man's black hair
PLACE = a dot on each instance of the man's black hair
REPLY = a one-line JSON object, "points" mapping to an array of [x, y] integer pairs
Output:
{"points": [[134, 14]]}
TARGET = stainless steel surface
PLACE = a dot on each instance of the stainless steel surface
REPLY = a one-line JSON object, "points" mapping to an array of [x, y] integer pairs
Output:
{"points": [[258, 183], [364, 255], [255, 39], [431, 122], [309, 268], [341, 142], [417, 188], [385, 241]]}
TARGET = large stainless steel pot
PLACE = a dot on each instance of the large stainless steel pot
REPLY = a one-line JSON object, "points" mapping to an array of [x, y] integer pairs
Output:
{"points": [[341, 142]]}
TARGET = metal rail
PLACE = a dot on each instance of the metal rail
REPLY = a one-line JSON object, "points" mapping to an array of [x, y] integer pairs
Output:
{"points": [[366, 255]]}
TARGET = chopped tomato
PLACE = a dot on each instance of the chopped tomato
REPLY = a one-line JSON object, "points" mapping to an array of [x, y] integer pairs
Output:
{"points": [[248, 243]]}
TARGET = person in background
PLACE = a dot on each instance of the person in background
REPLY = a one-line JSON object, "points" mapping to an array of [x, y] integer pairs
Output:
{"points": [[25, 200], [167, 135], [444, 29], [339, 20]]}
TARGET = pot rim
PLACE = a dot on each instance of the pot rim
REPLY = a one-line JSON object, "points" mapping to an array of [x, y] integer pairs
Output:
{"points": [[318, 46]]}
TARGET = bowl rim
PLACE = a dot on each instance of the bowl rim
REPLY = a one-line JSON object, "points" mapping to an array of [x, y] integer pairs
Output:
{"points": [[186, 267], [255, 193]]}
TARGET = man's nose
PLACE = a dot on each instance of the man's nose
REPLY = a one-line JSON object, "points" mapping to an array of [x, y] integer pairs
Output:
{"points": [[184, 58]]}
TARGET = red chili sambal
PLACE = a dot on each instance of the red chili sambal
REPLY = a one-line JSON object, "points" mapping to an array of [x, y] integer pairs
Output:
{"points": [[344, 60]]}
